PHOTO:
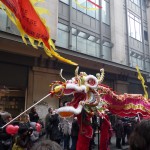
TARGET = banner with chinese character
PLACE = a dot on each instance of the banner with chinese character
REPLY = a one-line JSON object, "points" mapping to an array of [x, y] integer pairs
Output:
{"points": [[26, 17]]}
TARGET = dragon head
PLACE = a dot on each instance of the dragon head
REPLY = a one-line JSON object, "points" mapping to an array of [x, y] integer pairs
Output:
{"points": [[83, 87]]}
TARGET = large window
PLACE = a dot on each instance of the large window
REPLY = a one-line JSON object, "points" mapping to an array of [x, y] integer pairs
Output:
{"points": [[82, 42], [105, 12], [107, 51], [134, 25], [94, 13], [84, 3], [136, 59], [65, 1], [3, 22], [63, 35], [85, 43], [137, 2], [147, 63]]}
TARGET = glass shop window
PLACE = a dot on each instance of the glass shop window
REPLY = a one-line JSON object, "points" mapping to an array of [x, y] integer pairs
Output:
{"points": [[12, 100]]}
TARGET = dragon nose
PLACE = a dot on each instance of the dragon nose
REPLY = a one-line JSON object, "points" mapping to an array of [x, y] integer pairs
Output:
{"points": [[59, 88]]}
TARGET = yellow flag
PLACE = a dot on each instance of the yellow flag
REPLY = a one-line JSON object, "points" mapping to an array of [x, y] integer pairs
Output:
{"points": [[140, 77]]}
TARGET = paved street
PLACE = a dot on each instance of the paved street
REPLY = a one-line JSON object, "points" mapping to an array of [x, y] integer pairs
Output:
{"points": [[112, 146]]}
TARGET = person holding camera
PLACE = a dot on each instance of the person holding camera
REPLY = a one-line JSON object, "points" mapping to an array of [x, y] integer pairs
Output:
{"points": [[22, 139], [25, 122]]}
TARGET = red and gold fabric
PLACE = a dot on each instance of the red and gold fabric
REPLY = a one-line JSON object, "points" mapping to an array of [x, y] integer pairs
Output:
{"points": [[25, 16]]}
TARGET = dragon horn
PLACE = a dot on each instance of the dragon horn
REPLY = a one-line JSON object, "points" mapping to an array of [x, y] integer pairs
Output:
{"points": [[62, 75], [99, 76], [76, 71]]}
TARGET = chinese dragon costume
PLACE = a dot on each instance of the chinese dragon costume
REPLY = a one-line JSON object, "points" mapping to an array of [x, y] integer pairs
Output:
{"points": [[91, 97]]}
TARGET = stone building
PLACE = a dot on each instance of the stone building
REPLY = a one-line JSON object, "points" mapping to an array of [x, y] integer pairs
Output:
{"points": [[115, 38]]}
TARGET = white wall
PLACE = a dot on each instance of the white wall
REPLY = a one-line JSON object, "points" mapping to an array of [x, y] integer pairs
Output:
{"points": [[118, 31], [38, 86], [52, 19]]}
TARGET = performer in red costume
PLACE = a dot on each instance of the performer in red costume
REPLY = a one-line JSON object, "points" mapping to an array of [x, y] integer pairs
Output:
{"points": [[105, 133], [85, 133]]}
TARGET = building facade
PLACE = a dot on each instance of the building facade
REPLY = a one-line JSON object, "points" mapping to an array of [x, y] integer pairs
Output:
{"points": [[115, 38]]}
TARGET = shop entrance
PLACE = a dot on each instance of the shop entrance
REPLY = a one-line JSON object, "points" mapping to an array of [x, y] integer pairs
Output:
{"points": [[13, 85]]}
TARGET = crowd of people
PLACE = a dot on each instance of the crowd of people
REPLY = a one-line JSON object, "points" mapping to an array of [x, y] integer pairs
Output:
{"points": [[27, 133], [123, 129], [62, 134], [59, 132]]}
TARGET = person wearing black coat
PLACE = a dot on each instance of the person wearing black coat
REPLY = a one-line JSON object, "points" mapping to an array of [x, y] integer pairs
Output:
{"points": [[5, 139], [55, 134], [34, 117], [74, 133], [22, 139], [119, 130]]}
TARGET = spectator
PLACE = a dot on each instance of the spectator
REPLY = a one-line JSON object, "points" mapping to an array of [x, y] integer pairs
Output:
{"points": [[119, 133], [34, 133], [66, 126], [22, 140], [31, 126], [5, 139], [47, 123], [55, 131], [25, 121], [125, 124], [34, 117], [139, 139], [129, 131], [46, 145], [74, 133], [1, 121]]}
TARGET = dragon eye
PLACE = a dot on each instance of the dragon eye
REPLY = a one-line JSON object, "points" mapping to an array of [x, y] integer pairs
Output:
{"points": [[91, 81]]}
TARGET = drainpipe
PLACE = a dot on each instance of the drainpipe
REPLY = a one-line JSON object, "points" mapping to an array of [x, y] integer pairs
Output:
{"points": [[70, 25], [142, 31], [101, 29], [127, 28]]}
